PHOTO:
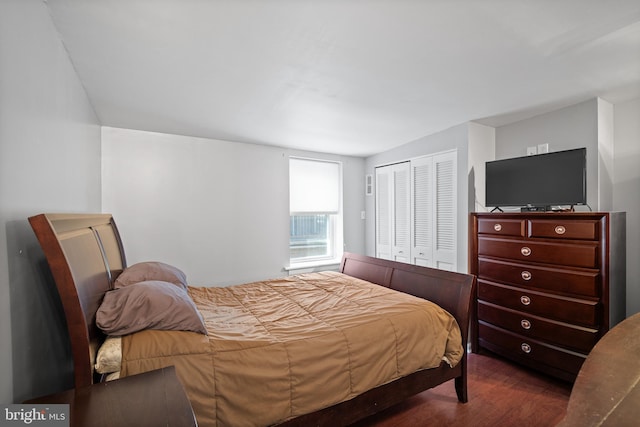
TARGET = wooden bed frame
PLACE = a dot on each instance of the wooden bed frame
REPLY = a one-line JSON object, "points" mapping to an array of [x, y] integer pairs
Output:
{"points": [[85, 254]]}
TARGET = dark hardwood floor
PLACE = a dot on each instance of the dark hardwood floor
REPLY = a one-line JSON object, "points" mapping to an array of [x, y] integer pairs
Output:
{"points": [[501, 393]]}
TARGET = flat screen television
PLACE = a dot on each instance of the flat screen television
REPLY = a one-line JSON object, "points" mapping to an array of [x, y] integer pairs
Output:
{"points": [[540, 181]]}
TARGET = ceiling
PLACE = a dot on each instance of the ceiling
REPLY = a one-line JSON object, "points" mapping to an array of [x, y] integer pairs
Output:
{"points": [[344, 76]]}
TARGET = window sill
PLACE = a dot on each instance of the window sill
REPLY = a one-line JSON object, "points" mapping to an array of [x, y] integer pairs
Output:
{"points": [[313, 265]]}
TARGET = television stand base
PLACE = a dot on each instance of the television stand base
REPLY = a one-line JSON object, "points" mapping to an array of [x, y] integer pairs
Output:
{"points": [[535, 208]]}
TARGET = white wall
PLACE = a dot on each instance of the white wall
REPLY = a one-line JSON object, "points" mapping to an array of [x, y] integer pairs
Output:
{"points": [[218, 210], [49, 161], [482, 148], [605, 155], [626, 190]]}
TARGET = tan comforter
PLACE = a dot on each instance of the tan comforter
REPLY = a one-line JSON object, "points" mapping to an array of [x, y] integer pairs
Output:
{"points": [[285, 347]]}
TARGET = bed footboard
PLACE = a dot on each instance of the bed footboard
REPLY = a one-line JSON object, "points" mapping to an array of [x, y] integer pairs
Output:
{"points": [[451, 291]]}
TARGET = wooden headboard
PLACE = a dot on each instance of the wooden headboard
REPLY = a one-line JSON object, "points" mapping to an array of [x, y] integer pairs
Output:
{"points": [[85, 254]]}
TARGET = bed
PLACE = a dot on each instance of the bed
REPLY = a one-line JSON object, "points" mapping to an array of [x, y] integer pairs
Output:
{"points": [[86, 257]]}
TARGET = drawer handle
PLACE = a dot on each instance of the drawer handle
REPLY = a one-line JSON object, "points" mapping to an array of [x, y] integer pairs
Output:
{"points": [[526, 251], [525, 324], [525, 300], [526, 275], [497, 227], [525, 347], [560, 229]]}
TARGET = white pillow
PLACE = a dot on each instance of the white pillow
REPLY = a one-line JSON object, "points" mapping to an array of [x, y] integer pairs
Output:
{"points": [[109, 356]]}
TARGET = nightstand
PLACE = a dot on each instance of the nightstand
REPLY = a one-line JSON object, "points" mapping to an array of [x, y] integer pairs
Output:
{"points": [[152, 399]]}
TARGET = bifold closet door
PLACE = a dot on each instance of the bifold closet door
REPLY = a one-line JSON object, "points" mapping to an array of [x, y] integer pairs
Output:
{"points": [[446, 208], [422, 220], [416, 211], [393, 204]]}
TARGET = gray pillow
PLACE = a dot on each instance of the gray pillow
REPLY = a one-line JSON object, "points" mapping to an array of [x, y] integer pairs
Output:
{"points": [[151, 270], [148, 305]]}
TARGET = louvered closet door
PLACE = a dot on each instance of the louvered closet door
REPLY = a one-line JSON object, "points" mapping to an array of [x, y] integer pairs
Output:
{"points": [[401, 228], [422, 221], [445, 245], [416, 211], [393, 200], [383, 212]]}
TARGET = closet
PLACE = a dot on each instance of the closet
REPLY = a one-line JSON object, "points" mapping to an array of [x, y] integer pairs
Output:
{"points": [[416, 211]]}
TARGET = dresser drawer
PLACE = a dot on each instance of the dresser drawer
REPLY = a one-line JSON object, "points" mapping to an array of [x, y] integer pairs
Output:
{"points": [[564, 229], [582, 312], [528, 350], [580, 282], [574, 255], [502, 227], [549, 331]]}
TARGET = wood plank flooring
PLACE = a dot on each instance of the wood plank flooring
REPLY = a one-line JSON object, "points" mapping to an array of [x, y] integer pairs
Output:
{"points": [[501, 393]]}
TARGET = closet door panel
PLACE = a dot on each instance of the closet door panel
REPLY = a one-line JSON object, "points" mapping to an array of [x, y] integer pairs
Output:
{"points": [[446, 194], [401, 236], [422, 221], [384, 216]]}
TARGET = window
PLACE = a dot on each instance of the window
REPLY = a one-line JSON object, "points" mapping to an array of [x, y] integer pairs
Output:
{"points": [[315, 209]]}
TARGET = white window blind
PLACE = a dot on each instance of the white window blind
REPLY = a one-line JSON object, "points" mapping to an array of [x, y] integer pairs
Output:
{"points": [[314, 186]]}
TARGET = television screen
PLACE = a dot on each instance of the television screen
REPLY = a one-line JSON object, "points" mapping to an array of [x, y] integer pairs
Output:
{"points": [[543, 180]]}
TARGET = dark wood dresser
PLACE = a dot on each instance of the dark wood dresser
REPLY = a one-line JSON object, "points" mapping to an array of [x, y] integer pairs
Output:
{"points": [[550, 285]]}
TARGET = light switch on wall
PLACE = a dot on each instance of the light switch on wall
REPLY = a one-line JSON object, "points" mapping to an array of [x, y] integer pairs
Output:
{"points": [[543, 148]]}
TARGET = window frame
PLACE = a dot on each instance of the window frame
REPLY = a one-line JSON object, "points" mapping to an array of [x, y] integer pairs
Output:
{"points": [[335, 238]]}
